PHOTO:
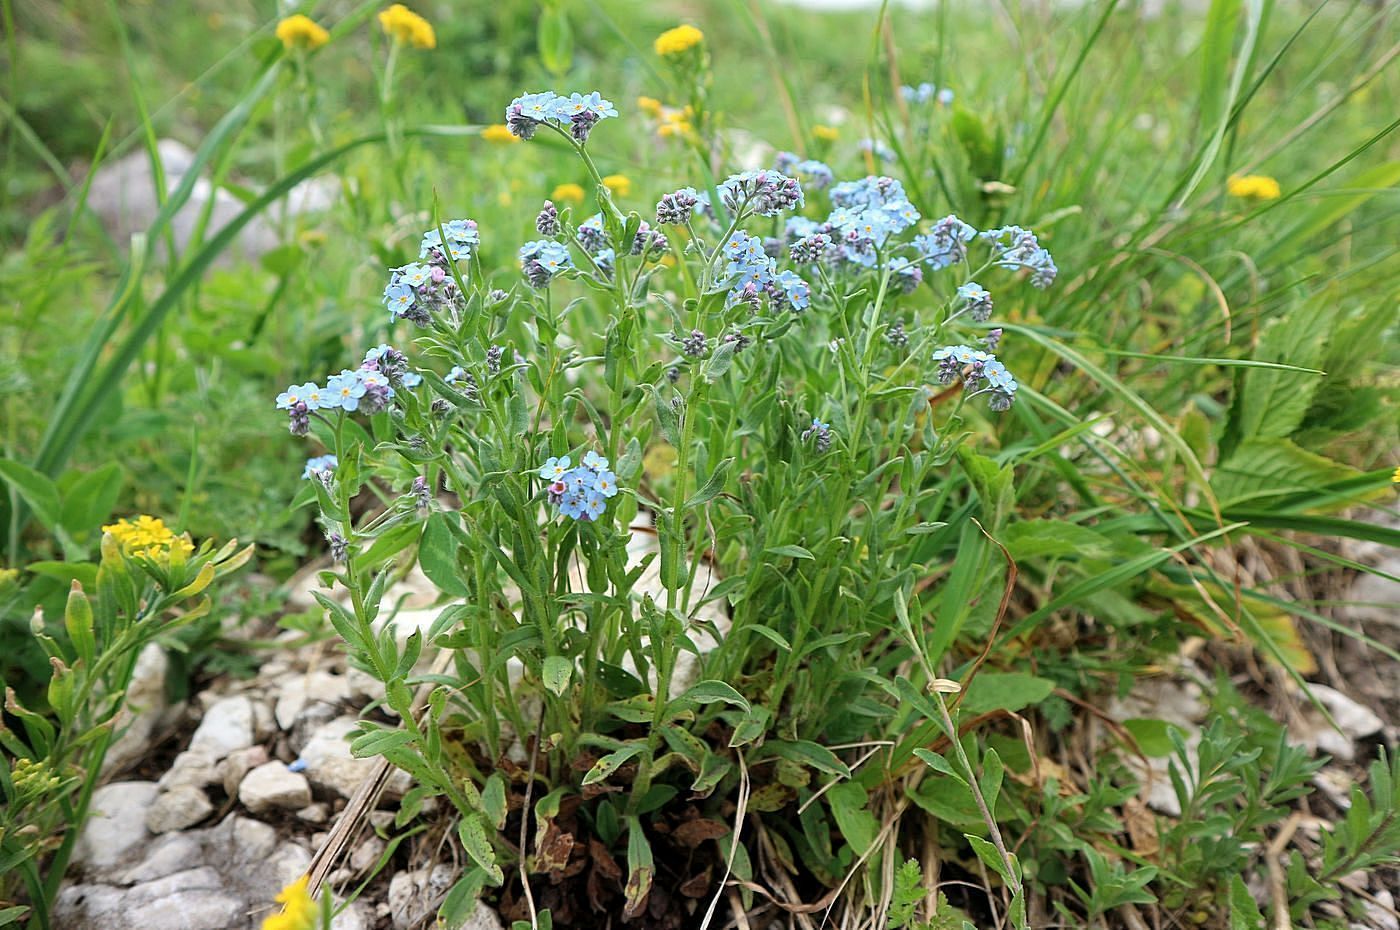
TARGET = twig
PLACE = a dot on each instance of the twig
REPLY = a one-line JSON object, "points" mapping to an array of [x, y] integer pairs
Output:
{"points": [[1278, 892]]}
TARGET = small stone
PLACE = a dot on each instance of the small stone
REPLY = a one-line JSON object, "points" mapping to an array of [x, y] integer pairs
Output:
{"points": [[169, 854], [264, 723], [191, 900], [144, 712], [416, 894], [271, 786], [289, 862], [177, 809], [314, 687], [253, 840], [355, 917], [193, 767], [318, 812], [310, 719], [367, 854], [238, 764], [226, 727], [117, 822], [329, 764]]}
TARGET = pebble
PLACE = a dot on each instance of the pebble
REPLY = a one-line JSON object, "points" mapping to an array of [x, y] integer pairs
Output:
{"points": [[227, 727], [193, 767], [117, 822], [271, 786], [177, 809], [238, 764]]}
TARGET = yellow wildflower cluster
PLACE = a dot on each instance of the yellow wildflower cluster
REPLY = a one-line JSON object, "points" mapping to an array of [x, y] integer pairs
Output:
{"points": [[678, 41], [500, 134], [826, 133], [1253, 187], [670, 121], [619, 184], [567, 193], [298, 31], [403, 25], [1396, 477], [298, 912], [149, 537]]}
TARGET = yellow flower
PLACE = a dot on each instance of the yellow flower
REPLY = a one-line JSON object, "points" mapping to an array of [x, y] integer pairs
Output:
{"points": [[148, 537], [826, 133], [568, 193], [1253, 187], [403, 25], [649, 105], [1396, 477], [298, 912], [619, 184], [678, 41], [499, 134], [298, 31]]}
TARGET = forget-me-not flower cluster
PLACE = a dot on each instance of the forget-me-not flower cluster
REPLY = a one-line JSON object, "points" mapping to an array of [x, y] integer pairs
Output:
{"points": [[579, 491], [980, 372], [419, 289], [575, 114], [367, 389]]}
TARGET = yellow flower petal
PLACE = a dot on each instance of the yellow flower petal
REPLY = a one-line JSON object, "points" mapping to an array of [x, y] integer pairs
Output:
{"points": [[678, 41], [299, 31], [568, 193], [619, 184]]}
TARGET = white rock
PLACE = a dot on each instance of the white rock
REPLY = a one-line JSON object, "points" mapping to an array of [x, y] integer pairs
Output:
{"points": [[238, 764], [226, 727], [271, 786], [195, 767], [289, 863], [1355, 721], [117, 822], [367, 854], [414, 895], [264, 723], [1373, 598], [177, 809], [296, 691], [357, 916], [167, 855], [195, 899], [329, 765], [123, 196], [145, 712], [253, 840], [315, 813]]}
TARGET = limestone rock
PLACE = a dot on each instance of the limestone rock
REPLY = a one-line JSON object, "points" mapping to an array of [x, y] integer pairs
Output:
{"points": [[271, 786], [226, 727], [117, 822], [177, 809]]}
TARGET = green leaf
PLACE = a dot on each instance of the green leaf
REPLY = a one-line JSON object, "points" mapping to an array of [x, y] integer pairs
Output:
{"points": [[640, 869], [711, 691], [1153, 736], [1054, 538], [713, 485], [379, 741], [437, 555], [477, 845], [1266, 468], [1272, 402], [90, 499], [791, 552], [555, 40], [612, 762], [989, 856], [850, 808], [1011, 691], [40, 493], [807, 752], [461, 900], [1244, 913], [556, 673]]}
